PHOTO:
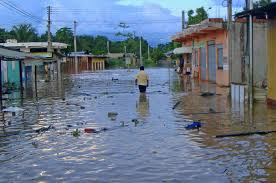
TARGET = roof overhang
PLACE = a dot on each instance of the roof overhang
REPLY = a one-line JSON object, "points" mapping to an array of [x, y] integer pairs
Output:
{"points": [[55, 45], [8, 54], [195, 31], [266, 11], [182, 50]]}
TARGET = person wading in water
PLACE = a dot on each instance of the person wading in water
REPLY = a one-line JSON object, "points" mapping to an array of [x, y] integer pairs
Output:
{"points": [[142, 80]]}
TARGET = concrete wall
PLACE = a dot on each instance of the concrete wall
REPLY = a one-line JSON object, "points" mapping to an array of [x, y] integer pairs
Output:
{"points": [[239, 50], [272, 62]]}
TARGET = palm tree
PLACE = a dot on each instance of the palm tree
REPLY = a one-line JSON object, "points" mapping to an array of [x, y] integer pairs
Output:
{"points": [[24, 33]]}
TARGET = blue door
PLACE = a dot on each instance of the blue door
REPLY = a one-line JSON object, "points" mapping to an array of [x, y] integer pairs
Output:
{"points": [[212, 66], [203, 64]]}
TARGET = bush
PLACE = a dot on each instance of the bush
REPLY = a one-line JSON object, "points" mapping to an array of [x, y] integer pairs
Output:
{"points": [[115, 63], [149, 63]]}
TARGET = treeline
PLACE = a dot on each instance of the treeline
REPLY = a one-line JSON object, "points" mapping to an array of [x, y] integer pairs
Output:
{"points": [[96, 45]]}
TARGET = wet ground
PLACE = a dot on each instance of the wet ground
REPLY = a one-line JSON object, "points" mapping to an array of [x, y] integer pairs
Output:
{"points": [[147, 140]]}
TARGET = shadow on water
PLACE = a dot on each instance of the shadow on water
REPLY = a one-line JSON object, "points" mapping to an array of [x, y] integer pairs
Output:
{"points": [[158, 150]]}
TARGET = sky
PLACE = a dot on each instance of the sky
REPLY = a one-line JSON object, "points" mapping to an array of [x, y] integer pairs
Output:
{"points": [[155, 20]]}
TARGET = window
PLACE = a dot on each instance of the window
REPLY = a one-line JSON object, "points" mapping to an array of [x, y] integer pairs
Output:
{"points": [[220, 56]]}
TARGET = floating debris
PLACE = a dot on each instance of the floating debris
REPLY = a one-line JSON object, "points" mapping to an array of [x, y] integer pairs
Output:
{"points": [[76, 133], [114, 79], [92, 130], [35, 144], [13, 109], [177, 104], [82, 107], [246, 134], [44, 129], [211, 110], [207, 94], [135, 121], [112, 114], [194, 125]]}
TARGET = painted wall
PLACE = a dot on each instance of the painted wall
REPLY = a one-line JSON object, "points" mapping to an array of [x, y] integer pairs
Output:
{"points": [[260, 56], [272, 62], [220, 38], [10, 72]]}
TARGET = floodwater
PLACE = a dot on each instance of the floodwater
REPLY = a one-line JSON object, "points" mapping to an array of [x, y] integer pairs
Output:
{"points": [[147, 140]]}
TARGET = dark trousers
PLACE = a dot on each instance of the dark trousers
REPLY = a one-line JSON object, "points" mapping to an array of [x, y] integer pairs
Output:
{"points": [[142, 88]]}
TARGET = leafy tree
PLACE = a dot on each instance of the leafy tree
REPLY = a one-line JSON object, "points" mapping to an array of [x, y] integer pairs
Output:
{"points": [[65, 35], [157, 54], [24, 33], [4, 35], [200, 15], [85, 43], [99, 46], [44, 37]]}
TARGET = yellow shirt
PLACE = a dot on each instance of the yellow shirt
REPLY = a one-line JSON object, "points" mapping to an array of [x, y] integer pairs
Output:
{"points": [[142, 78]]}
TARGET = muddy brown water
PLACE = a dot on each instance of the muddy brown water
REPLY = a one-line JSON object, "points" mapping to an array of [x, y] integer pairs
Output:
{"points": [[147, 140]]}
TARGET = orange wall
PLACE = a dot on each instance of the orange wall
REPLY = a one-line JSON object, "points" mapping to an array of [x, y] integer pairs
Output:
{"points": [[220, 37]]}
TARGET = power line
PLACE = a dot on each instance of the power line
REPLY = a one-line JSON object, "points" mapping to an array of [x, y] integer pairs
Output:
{"points": [[11, 6]]}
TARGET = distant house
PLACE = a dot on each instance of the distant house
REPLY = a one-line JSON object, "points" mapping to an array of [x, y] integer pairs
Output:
{"points": [[130, 59], [115, 55], [50, 59], [87, 61]]}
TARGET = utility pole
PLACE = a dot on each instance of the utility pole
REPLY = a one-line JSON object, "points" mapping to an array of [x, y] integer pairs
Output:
{"points": [[108, 51], [75, 47], [229, 28], [75, 40], [250, 52], [183, 20], [49, 47], [148, 51], [125, 49], [141, 56]]}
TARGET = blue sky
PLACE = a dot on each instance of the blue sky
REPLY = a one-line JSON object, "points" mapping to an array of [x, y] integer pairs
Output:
{"points": [[156, 20]]}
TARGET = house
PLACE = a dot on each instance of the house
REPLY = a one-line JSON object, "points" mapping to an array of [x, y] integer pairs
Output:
{"points": [[11, 66], [130, 59], [87, 61], [268, 12], [50, 59], [206, 46]]}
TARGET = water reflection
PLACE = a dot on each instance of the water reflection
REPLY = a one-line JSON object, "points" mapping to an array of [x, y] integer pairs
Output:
{"points": [[142, 106], [159, 151]]}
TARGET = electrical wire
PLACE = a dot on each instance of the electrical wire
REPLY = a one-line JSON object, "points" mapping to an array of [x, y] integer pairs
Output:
{"points": [[11, 6]]}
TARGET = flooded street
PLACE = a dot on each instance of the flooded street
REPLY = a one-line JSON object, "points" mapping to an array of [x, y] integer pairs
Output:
{"points": [[147, 140]]}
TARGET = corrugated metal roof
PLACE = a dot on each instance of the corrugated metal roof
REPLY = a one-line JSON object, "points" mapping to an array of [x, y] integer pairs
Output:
{"points": [[11, 54], [266, 11]]}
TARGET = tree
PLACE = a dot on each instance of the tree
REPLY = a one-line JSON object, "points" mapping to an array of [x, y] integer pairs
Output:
{"points": [[65, 35], [99, 45], [200, 15], [24, 33], [261, 3], [85, 43], [44, 37], [157, 54], [4, 35]]}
